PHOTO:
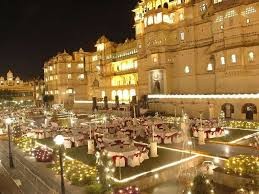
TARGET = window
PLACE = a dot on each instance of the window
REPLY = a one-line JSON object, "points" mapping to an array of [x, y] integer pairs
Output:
{"points": [[69, 76], [181, 17], [181, 35], [55, 77], [222, 60], [50, 78], [158, 18], [81, 77], [82, 58], [50, 68], [247, 20], [69, 91], [217, 1], [155, 59], [203, 7], [187, 69], [250, 10], [221, 27], [209, 67], [251, 56], [56, 91], [219, 19], [103, 94], [69, 65], [233, 58], [230, 14], [150, 20], [80, 65], [95, 58]]}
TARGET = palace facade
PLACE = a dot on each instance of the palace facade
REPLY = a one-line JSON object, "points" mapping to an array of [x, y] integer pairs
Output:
{"points": [[203, 47], [14, 88]]}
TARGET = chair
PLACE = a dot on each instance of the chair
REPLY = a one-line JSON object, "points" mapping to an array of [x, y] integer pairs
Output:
{"points": [[134, 160], [79, 142], [120, 161], [145, 154], [41, 135], [67, 143], [158, 139], [167, 140]]}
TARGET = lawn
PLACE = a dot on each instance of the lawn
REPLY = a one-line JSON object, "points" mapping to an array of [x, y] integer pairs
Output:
{"points": [[233, 135], [165, 157]]}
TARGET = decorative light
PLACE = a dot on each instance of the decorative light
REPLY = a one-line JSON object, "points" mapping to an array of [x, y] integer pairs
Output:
{"points": [[59, 140], [156, 176], [8, 121], [204, 96]]}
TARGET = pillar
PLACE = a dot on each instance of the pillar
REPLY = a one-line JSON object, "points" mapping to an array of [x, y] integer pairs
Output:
{"points": [[90, 144], [105, 100], [117, 103], [211, 111], [94, 107]]}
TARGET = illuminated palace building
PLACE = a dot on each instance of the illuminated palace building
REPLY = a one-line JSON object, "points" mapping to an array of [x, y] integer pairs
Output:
{"points": [[188, 55], [15, 89]]}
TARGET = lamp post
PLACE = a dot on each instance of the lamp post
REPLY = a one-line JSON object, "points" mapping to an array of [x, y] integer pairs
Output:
{"points": [[8, 122], [59, 140]]}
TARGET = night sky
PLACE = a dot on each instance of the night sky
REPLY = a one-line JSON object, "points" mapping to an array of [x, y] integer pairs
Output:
{"points": [[32, 31]]}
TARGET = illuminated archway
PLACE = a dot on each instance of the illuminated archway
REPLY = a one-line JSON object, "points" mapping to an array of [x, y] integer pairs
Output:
{"points": [[125, 95]]}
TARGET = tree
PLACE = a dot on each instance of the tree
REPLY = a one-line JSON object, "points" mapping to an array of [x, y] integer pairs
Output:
{"points": [[48, 99], [201, 185]]}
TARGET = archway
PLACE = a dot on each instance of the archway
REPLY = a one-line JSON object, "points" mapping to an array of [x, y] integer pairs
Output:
{"points": [[249, 109], [166, 5], [228, 110]]}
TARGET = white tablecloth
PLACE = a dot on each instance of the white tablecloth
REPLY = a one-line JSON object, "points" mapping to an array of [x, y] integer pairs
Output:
{"points": [[111, 139], [163, 134], [126, 150]]}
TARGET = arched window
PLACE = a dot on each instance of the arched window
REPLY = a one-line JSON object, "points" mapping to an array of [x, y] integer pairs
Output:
{"points": [[249, 110], [210, 67], [132, 92], [228, 109], [166, 5], [125, 95], [150, 20], [119, 93], [113, 94], [187, 69], [251, 56], [233, 58]]}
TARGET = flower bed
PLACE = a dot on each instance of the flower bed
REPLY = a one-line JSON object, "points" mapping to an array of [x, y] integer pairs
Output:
{"points": [[77, 172], [243, 165], [42, 154], [24, 143], [242, 124]]}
